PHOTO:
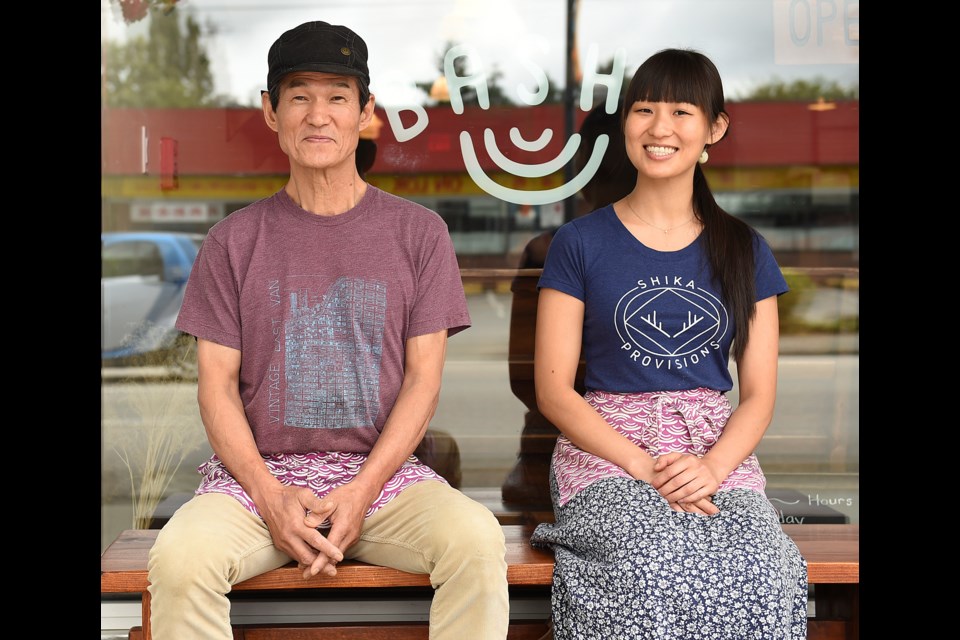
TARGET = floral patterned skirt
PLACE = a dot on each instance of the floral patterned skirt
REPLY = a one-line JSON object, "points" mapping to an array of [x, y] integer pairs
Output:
{"points": [[630, 567]]}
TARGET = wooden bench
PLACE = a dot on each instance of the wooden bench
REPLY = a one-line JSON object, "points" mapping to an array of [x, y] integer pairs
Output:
{"points": [[832, 552]]}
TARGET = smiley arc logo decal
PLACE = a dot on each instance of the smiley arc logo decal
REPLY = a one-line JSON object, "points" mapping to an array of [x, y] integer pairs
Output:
{"points": [[478, 80]]}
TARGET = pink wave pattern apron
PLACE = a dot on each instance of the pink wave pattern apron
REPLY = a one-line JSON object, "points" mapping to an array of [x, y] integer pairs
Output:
{"points": [[319, 472], [659, 422]]}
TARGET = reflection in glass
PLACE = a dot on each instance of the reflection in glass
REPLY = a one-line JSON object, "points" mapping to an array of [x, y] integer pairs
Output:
{"points": [[191, 71]]}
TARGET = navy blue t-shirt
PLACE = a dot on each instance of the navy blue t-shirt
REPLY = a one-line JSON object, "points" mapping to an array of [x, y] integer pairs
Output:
{"points": [[653, 320]]}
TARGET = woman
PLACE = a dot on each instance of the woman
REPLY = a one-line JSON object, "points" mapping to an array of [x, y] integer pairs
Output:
{"points": [[662, 527]]}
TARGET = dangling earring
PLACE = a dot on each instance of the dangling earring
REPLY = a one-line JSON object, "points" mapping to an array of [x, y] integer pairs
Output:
{"points": [[704, 157]]}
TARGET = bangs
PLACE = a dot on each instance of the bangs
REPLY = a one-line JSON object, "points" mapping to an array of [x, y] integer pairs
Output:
{"points": [[676, 76]]}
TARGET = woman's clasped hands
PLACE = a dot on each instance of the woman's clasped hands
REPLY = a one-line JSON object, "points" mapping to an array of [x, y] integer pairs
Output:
{"points": [[686, 482]]}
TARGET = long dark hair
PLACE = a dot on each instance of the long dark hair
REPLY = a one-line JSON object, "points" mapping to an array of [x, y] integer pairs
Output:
{"points": [[683, 75]]}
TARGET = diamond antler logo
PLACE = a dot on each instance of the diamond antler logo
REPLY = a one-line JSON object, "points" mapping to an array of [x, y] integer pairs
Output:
{"points": [[674, 325]]}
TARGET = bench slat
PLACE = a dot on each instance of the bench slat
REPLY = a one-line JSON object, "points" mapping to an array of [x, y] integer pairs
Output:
{"points": [[832, 552], [389, 631], [123, 568]]}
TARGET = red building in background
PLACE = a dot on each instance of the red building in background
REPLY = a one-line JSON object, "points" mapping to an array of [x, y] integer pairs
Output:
{"points": [[790, 168]]}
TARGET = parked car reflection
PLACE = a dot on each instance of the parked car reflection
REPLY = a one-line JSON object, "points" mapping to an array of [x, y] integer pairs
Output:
{"points": [[143, 278]]}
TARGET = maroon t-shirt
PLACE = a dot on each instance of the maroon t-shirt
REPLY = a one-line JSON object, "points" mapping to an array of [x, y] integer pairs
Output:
{"points": [[321, 308]]}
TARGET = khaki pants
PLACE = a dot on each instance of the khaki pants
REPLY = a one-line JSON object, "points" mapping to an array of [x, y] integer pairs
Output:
{"points": [[212, 542]]}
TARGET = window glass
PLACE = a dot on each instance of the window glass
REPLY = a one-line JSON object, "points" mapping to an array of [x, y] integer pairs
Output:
{"points": [[131, 259], [482, 116]]}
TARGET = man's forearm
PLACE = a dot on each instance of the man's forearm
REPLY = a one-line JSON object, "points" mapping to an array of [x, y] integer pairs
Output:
{"points": [[225, 421], [411, 414], [232, 440], [403, 431]]}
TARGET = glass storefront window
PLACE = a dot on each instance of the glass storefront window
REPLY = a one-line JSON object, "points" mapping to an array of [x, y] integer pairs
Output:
{"points": [[478, 109]]}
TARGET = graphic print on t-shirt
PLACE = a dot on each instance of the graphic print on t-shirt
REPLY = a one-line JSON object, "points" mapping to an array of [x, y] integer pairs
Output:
{"points": [[669, 322], [332, 354]]}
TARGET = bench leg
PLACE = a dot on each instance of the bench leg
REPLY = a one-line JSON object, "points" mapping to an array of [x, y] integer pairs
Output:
{"points": [[839, 601], [145, 615]]}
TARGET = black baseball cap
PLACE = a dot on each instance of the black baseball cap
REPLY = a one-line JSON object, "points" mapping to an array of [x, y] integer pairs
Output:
{"points": [[318, 46]]}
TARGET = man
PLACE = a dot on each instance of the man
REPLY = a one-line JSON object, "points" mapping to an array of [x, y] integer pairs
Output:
{"points": [[321, 315]]}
